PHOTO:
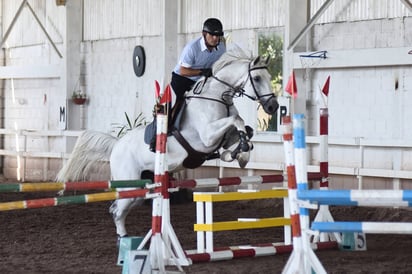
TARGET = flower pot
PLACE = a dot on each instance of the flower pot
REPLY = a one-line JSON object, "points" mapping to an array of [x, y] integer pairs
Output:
{"points": [[79, 101]]}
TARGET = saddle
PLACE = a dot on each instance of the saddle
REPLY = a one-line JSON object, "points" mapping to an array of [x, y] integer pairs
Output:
{"points": [[173, 122], [195, 158]]}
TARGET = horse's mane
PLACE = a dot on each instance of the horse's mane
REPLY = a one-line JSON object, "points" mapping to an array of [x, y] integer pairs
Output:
{"points": [[236, 53]]}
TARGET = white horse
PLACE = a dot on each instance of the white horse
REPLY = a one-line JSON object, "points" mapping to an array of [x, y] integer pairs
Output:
{"points": [[209, 121]]}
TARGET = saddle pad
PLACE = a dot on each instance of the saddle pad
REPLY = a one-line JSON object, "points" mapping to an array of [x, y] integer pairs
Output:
{"points": [[150, 132]]}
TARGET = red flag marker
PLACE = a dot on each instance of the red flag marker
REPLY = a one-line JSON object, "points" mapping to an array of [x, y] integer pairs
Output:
{"points": [[291, 87], [325, 88], [157, 89], [166, 98]]}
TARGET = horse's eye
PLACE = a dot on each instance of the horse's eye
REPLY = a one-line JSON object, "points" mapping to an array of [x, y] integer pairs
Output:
{"points": [[256, 78]]}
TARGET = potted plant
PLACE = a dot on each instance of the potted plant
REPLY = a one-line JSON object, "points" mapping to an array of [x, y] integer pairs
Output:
{"points": [[124, 128], [78, 97]]}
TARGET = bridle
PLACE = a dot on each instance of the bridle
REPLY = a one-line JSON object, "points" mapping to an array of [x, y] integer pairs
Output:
{"points": [[235, 91], [258, 97]]}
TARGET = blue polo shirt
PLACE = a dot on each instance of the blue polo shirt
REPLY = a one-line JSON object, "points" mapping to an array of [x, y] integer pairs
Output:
{"points": [[196, 55]]}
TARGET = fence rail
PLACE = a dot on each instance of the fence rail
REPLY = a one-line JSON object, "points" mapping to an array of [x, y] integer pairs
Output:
{"points": [[397, 150]]}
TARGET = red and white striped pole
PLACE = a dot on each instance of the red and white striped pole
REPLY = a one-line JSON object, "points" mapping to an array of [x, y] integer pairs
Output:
{"points": [[156, 243], [324, 215], [324, 132], [324, 164], [165, 248]]}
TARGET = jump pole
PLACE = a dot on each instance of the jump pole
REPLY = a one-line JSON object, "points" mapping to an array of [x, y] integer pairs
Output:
{"points": [[302, 259], [356, 197], [227, 181], [236, 181], [77, 199], [71, 186], [243, 251], [364, 227]]}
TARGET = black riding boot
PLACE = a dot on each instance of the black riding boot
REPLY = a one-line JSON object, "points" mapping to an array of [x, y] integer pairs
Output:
{"points": [[152, 145]]}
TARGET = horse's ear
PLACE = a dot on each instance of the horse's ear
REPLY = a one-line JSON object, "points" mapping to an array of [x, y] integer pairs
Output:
{"points": [[256, 61], [260, 61]]}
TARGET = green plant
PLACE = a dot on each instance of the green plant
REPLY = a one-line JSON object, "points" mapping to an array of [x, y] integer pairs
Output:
{"points": [[124, 128], [79, 95], [271, 45]]}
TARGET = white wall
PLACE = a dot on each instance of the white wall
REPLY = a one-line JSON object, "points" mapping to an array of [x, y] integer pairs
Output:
{"points": [[111, 84], [363, 101], [369, 102]]}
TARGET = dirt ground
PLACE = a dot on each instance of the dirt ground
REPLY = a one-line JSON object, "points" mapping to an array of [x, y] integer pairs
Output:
{"points": [[81, 239]]}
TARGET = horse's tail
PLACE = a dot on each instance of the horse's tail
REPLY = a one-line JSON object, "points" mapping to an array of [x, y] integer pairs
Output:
{"points": [[91, 147]]}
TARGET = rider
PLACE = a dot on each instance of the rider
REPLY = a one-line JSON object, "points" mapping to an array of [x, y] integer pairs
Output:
{"points": [[196, 60]]}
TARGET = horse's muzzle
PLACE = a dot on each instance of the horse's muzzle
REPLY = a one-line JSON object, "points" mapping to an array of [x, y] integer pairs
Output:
{"points": [[271, 106]]}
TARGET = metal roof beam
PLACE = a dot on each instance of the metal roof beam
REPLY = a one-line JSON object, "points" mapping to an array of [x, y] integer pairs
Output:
{"points": [[6, 35], [45, 31], [311, 22], [408, 4]]}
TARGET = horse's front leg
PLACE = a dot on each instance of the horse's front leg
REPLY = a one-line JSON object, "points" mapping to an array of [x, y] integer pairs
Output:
{"points": [[215, 131], [242, 151], [212, 133], [244, 141]]}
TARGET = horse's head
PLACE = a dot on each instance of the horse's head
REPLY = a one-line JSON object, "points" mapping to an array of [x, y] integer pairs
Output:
{"points": [[259, 82], [246, 76]]}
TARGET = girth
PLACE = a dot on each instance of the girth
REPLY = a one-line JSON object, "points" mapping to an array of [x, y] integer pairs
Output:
{"points": [[194, 158]]}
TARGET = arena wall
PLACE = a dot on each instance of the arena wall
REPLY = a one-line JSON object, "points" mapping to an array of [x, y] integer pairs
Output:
{"points": [[368, 106]]}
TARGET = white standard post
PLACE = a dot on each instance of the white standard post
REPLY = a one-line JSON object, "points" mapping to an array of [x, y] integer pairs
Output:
{"points": [[209, 220], [200, 219]]}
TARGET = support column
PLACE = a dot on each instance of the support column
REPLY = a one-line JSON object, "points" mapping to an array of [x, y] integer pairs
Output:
{"points": [[298, 14], [73, 34], [74, 31], [170, 32]]}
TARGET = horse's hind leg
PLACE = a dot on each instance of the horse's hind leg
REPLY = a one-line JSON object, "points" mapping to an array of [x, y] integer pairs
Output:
{"points": [[119, 210]]}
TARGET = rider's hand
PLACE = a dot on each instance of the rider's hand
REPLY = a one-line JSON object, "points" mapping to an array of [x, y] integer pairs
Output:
{"points": [[207, 72]]}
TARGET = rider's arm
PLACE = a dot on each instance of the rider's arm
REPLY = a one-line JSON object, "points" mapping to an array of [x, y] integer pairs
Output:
{"points": [[188, 72]]}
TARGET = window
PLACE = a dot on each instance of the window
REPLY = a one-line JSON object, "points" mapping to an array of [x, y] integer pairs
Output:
{"points": [[271, 45]]}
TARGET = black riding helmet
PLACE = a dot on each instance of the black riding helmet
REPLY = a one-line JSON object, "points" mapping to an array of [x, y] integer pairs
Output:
{"points": [[213, 26]]}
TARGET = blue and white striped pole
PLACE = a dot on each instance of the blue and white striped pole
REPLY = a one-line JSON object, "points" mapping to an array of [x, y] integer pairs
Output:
{"points": [[356, 197], [302, 259], [301, 165], [364, 227]]}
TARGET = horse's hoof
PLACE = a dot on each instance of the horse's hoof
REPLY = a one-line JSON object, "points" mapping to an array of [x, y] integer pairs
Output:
{"points": [[243, 159], [242, 163], [226, 156], [249, 132]]}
